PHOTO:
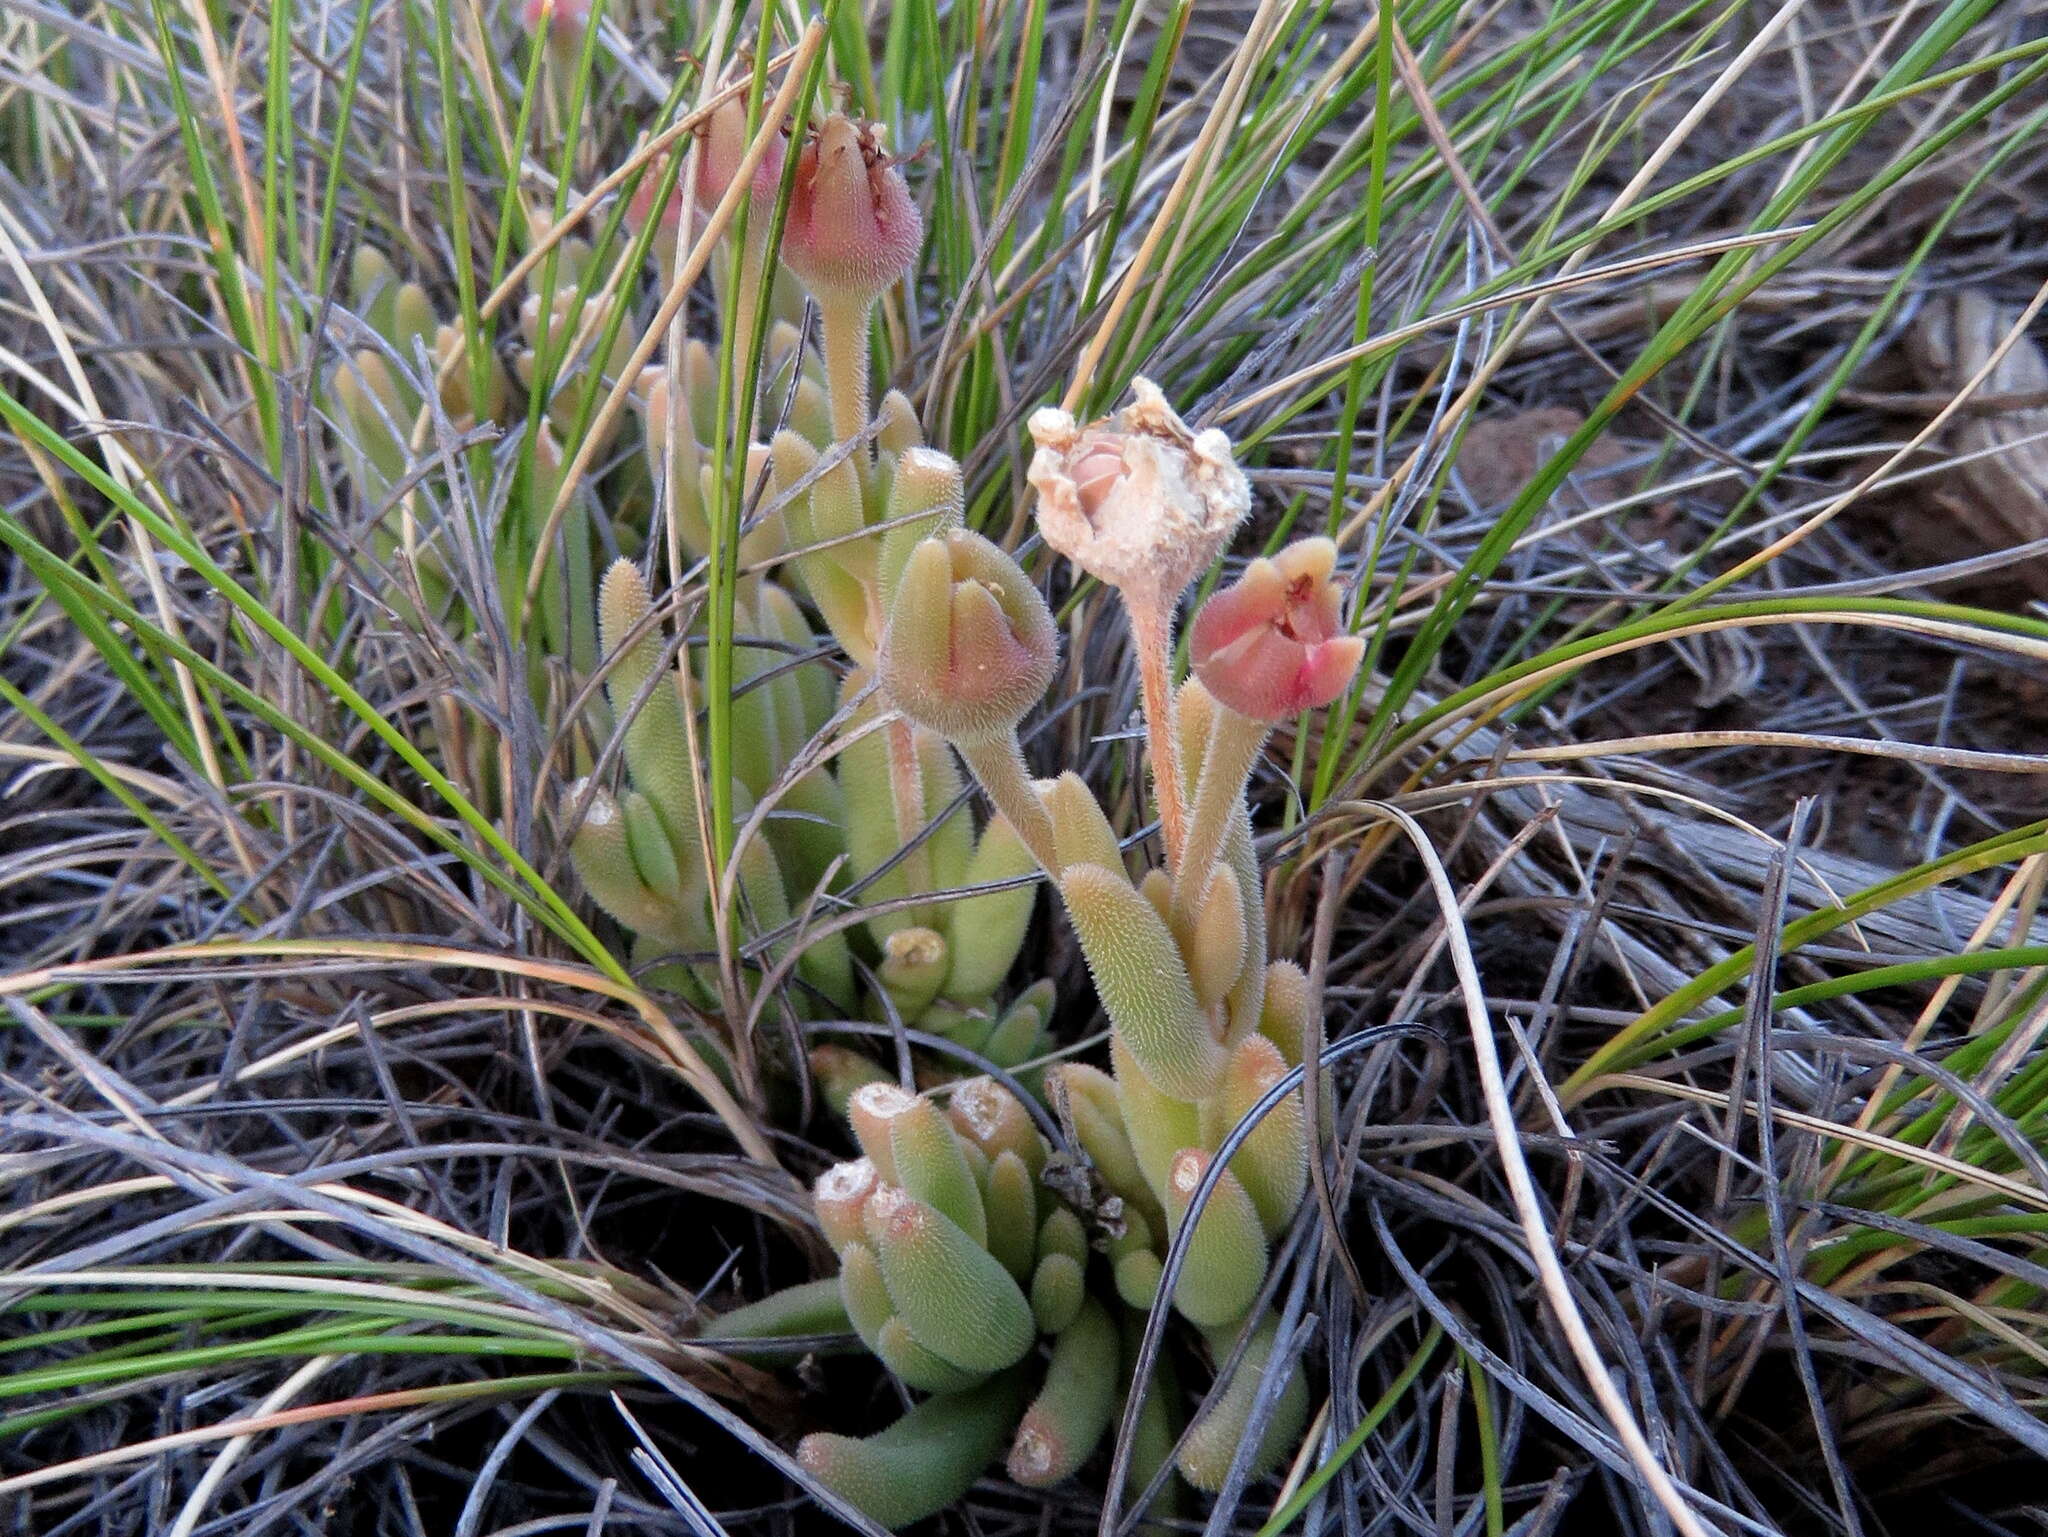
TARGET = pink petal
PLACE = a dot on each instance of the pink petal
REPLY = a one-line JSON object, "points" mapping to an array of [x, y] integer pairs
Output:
{"points": [[1327, 672], [1257, 600], [1255, 674]]}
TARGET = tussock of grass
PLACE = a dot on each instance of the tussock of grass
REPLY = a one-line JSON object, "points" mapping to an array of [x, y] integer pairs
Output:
{"points": [[1684, 827]]}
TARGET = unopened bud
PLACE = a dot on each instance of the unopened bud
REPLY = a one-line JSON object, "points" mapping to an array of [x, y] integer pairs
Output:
{"points": [[970, 644], [564, 20], [852, 228], [839, 1196], [721, 147], [870, 1112]]}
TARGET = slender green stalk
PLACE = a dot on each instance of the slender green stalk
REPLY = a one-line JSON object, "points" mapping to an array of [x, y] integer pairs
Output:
{"points": [[1352, 1444], [998, 766]]}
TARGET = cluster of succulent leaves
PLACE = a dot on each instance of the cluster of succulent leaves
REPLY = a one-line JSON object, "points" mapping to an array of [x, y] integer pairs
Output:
{"points": [[390, 425], [976, 1223], [884, 823], [964, 1235]]}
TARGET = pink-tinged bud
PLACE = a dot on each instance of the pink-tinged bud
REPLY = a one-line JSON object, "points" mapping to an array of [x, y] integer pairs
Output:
{"points": [[721, 146], [840, 1197], [640, 209], [563, 19], [852, 228], [1272, 643], [995, 1120], [1139, 500], [871, 1112], [970, 644]]}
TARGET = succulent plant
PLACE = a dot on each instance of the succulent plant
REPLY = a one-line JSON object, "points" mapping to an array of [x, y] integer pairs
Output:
{"points": [[842, 517], [939, 1277], [883, 820], [389, 438], [998, 1242]]}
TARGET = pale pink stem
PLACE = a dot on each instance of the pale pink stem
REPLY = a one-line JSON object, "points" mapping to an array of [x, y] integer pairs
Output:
{"points": [[845, 325], [1152, 634]]}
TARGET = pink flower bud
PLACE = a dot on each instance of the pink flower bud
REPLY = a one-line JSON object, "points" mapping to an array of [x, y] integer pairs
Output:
{"points": [[852, 228], [1139, 500], [721, 146], [564, 19], [641, 208], [1272, 644], [970, 645]]}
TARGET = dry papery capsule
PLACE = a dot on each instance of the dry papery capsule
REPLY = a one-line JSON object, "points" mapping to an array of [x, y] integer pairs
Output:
{"points": [[1139, 500]]}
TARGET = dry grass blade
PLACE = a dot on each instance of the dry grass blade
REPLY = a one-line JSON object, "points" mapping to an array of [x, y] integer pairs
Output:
{"points": [[1542, 1250]]}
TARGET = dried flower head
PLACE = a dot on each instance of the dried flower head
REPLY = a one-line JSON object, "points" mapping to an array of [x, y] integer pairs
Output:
{"points": [[1272, 643], [1139, 500], [852, 228]]}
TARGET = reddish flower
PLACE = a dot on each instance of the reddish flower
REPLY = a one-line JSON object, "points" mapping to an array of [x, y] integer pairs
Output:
{"points": [[1272, 644], [722, 145], [852, 228]]}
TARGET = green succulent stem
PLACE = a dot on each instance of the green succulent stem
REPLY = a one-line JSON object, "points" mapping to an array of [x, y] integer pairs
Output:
{"points": [[1234, 743], [844, 319], [812, 1307], [927, 1459], [997, 764], [1066, 1420]]}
